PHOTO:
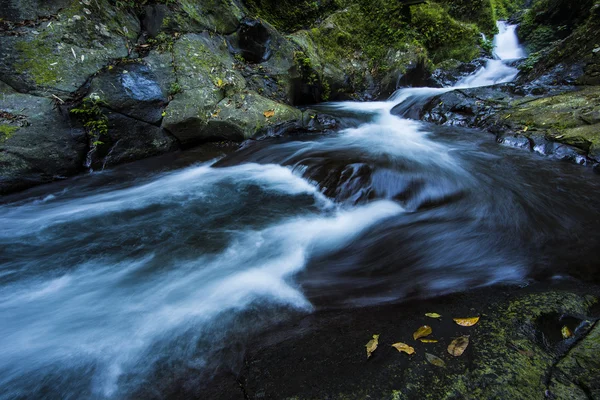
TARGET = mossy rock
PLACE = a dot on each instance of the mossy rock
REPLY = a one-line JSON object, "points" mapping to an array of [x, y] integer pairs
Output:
{"points": [[60, 55], [246, 114], [572, 118], [195, 16], [37, 145]]}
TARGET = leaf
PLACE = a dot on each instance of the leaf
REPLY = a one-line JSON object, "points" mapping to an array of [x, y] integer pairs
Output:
{"points": [[438, 362], [428, 340], [466, 321], [433, 315], [566, 332], [423, 331], [458, 346], [269, 113], [219, 82], [525, 129], [372, 345], [403, 347]]}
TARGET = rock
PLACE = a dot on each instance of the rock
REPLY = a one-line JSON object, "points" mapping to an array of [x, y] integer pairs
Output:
{"points": [[516, 141], [195, 16], [59, 56], [19, 10], [254, 41], [37, 144], [247, 114], [129, 140], [153, 18], [132, 90], [576, 375], [205, 75]]}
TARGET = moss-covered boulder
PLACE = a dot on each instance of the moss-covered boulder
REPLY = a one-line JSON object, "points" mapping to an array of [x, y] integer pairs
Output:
{"points": [[59, 56], [245, 114], [37, 144], [515, 351]]}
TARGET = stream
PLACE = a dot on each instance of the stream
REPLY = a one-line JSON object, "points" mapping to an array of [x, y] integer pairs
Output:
{"points": [[109, 280]]}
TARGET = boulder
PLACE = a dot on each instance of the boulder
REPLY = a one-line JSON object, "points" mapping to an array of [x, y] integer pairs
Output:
{"points": [[37, 143], [60, 55]]}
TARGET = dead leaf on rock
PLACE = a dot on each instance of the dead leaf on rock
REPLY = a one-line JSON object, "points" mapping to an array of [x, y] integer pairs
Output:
{"points": [[566, 332], [269, 113], [458, 346], [423, 331], [438, 362], [466, 321], [428, 340], [372, 345], [403, 347], [433, 315]]}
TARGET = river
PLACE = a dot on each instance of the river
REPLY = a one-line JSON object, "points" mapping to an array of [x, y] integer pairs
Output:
{"points": [[161, 265]]}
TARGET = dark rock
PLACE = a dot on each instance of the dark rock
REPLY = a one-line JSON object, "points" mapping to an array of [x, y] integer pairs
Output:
{"points": [[43, 147], [254, 40], [516, 141], [19, 10], [133, 90], [154, 16], [129, 140]]}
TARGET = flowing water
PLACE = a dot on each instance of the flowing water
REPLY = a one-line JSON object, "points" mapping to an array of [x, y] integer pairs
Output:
{"points": [[112, 284]]}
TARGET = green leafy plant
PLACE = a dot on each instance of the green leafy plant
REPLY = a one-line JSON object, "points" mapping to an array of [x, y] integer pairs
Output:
{"points": [[92, 117]]}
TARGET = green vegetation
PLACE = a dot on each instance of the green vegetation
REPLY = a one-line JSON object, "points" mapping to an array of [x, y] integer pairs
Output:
{"points": [[550, 20], [292, 15], [6, 131], [92, 117]]}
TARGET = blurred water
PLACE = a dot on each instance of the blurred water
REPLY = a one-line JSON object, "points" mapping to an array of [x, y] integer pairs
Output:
{"points": [[123, 282]]}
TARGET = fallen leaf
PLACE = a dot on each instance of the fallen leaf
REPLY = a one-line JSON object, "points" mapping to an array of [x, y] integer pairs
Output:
{"points": [[566, 332], [433, 315], [423, 331], [438, 362], [269, 113], [372, 345], [428, 340], [403, 347], [466, 321], [458, 346], [525, 129]]}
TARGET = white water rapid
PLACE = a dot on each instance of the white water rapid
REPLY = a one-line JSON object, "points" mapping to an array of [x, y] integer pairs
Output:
{"points": [[100, 284]]}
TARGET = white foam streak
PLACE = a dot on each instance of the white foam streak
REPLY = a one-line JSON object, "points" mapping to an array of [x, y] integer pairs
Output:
{"points": [[104, 313]]}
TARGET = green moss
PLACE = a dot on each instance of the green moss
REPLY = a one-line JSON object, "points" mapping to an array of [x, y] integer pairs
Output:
{"points": [[292, 15], [7, 131], [38, 60]]}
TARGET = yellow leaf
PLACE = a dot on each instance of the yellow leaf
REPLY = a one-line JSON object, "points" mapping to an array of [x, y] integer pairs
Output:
{"points": [[566, 332], [423, 331], [525, 129], [458, 346], [428, 340], [466, 321], [433, 315], [403, 347], [438, 362], [372, 345], [219, 83], [269, 113]]}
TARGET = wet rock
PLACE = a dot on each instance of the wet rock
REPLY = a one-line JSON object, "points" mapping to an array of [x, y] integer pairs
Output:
{"points": [[576, 375], [19, 10], [452, 71], [132, 90], [205, 76], [153, 18], [129, 140], [314, 121], [516, 141], [254, 39], [195, 16], [60, 55], [37, 143], [511, 353], [244, 115]]}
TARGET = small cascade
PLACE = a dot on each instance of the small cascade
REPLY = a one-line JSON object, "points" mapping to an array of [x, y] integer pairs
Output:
{"points": [[498, 70]]}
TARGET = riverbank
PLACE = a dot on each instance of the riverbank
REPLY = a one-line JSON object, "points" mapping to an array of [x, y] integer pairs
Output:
{"points": [[516, 350]]}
